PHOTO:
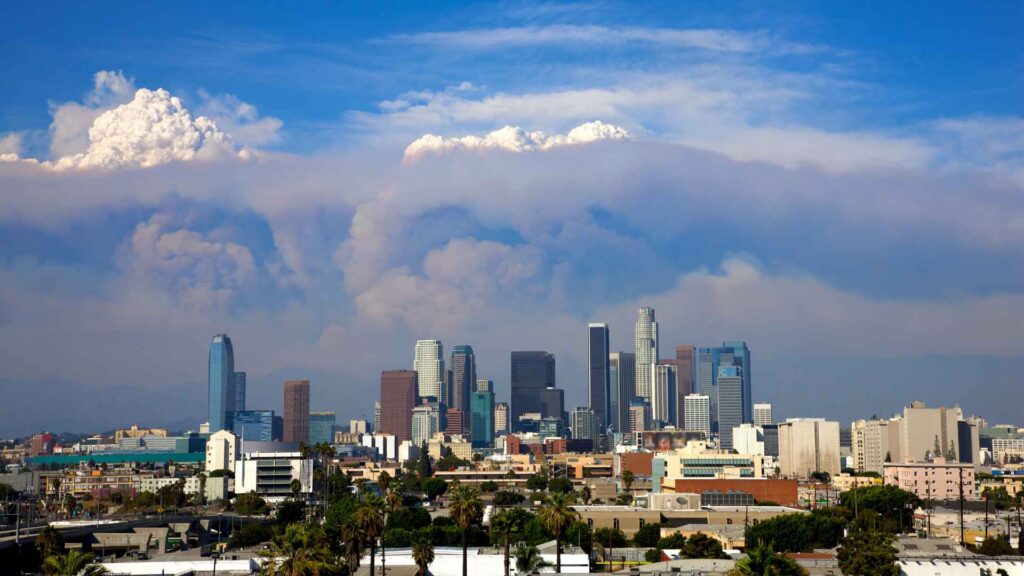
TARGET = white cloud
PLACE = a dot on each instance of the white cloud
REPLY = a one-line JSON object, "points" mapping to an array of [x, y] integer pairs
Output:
{"points": [[240, 119], [154, 128], [713, 39], [202, 272], [515, 139], [69, 131]]}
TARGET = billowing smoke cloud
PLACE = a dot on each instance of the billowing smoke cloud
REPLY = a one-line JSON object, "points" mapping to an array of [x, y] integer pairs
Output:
{"points": [[154, 128], [515, 139], [69, 131]]}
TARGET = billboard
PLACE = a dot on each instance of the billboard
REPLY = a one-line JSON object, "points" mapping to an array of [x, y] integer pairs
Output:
{"points": [[663, 440]]}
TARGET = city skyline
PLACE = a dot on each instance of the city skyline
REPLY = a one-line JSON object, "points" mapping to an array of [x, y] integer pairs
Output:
{"points": [[837, 186]]}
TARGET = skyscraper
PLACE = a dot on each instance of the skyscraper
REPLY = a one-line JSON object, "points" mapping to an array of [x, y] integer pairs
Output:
{"points": [[481, 405], [397, 399], [426, 421], [429, 366], [483, 385], [531, 373], [599, 383], [709, 360], [621, 381], [762, 414], [221, 367], [238, 387], [254, 425], [807, 445], [730, 403], [686, 356], [646, 338], [697, 411], [663, 394], [582, 420], [552, 404], [741, 358], [321, 427], [639, 415], [296, 411], [463, 369], [501, 418]]}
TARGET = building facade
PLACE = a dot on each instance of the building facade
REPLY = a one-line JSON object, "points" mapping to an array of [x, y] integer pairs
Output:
{"points": [[426, 421], [639, 416], [481, 405], [697, 412], [808, 445], [531, 373], [428, 363], [322, 426], [581, 420], [729, 388], [398, 397], [621, 383], [501, 418], [599, 385], [762, 414], [663, 394], [463, 369], [296, 411], [646, 344], [254, 425], [935, 480], [220, 370]]}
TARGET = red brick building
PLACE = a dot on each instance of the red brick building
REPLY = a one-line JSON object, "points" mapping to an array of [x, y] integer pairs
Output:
{"points": [[783, 492]]}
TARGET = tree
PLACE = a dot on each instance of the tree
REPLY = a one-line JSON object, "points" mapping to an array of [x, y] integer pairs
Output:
{"points": [[290, 511], [465, 509], [393, 498], [301, 550], [369, 522], [562, 485], [537, 483], [763, 561], [423, 465], [408, 517], [528, 559], [74, 563], [627, 480], [489, 486], [433, 487], [702, 546], [579, 533], [245, 504], [647, 536], [422, 553], [610, 537], [251, 535], [7, 492], [506, 498], [671, 541], [49, 542], [884, 499], [995, 546], [557, 516], [797, 532], [296, 487], [586, 494], [652, 555], [505, 526], [1018, 502], [868, 553]]}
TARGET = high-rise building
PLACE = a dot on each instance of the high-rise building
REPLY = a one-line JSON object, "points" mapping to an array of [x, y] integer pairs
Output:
{"points": [[748, 439], [501, 418], [599, 383], [221, 368], [426, 421], [397, 399], [481, 406], [684, 363], [321, 427], [729, 388], [254, 425], [663, 394], [582, 421], [646, 340], [531, 373], [709, 360], [875, 442], [808, 445], [454, 422], [358, 426], [552, 403], [296, 411], [376, 414], [484, 385], [639, 415], [697, 413], [463, 368], [429, 366], [621, 381], [930, 432], [238, 384], [762, 414]]}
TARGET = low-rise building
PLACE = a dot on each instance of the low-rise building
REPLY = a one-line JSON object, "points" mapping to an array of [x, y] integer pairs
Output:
{"points": [[270, 474], [935, 480]]}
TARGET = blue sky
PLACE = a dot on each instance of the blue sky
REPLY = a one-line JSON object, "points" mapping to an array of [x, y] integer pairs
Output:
{"points": [[832, 183]]}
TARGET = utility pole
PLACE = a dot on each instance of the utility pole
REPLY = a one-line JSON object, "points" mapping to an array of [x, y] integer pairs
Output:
{"points": [[986, 515]]}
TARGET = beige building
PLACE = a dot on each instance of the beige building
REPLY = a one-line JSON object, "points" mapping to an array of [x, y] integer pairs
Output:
{"points": [[222, 451], [874, 442], [924, 429], [808, 445], [459, 445], [844, 482], [936, 480], [136, 432]]}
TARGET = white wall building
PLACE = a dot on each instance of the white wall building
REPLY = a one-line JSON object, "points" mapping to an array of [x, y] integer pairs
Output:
{"points": [[697, 411], [270, 474], [663, 393], [748, 439], [426, 421], [428, 363], [762, 414], [221, 451], [808, 445], [384, 444]]}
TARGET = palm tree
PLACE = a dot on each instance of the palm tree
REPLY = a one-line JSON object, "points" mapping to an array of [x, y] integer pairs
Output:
{"points": [[557, 515], [422, 553], [392, 502], [528, 559], [465, 509], [627, 480], [369, 519], [49, 542], [299, 551], [763, 561], [505, 526], [586, 494], [74, 563]]}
